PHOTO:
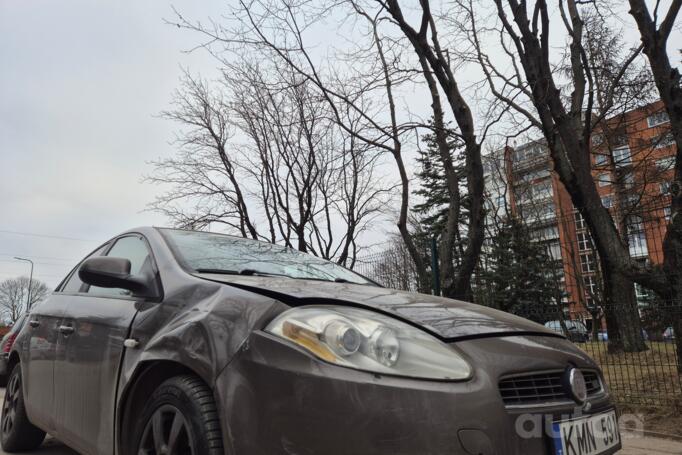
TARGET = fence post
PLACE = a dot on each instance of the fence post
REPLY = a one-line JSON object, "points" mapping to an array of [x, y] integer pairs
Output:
{"points": [[435, 266]]}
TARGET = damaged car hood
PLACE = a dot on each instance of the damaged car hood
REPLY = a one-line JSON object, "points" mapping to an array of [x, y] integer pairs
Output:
{"points": [[446, 318]]}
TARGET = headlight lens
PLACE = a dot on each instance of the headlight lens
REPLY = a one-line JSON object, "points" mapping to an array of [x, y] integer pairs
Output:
{"points": [[369, 341]]}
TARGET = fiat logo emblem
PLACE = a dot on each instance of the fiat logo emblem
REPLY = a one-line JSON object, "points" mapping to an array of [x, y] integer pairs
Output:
{"points": [[577, 388]]}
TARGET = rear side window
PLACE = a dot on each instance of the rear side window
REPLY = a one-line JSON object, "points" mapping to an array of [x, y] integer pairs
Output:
{"points": [[135, 250], [74, 283]]}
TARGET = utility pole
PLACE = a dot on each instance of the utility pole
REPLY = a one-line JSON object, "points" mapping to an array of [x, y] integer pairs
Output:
{"points": [[30, 281]]}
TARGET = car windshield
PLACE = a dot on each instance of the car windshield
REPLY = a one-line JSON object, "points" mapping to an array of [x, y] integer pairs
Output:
{"points": [[576, 325], [207, 252]]}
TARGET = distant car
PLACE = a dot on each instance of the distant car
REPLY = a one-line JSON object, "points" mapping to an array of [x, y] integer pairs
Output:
{"points": [[576, 331], [171, 342], [6, 347], [669, 335]]}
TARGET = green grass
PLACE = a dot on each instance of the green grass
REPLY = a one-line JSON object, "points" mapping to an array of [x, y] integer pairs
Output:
{"points": [[648, 378]]}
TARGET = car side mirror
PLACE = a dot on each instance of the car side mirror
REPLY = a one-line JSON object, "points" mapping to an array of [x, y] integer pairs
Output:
{"points": [[111, 272]]}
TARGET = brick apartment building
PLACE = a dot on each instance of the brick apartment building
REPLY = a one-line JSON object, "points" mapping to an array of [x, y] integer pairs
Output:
{"points": [[633, 157]]}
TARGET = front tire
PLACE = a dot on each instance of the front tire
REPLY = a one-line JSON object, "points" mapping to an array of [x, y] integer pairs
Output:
{"points": [[17, 433], [180, 418]]}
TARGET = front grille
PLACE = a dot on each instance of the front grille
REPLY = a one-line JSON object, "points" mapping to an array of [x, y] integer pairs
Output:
{"points": [[593, 383], [541, 388]]}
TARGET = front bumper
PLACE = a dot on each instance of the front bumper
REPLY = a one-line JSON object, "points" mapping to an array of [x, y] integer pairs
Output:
{"points": [[277, 399]]}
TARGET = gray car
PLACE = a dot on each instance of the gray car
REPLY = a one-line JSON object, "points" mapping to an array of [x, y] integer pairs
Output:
{"points": [[6, 347], [166, 341]]}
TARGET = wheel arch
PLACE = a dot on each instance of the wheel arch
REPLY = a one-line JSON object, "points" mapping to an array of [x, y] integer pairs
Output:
{"points": [[148, 376]]}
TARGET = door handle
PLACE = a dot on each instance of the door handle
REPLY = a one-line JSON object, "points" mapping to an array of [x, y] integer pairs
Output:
{"points": [[66, 329], [34, 323]]}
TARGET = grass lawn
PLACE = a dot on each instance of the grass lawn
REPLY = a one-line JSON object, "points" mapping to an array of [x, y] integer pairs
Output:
{"points": [[646, 383]]}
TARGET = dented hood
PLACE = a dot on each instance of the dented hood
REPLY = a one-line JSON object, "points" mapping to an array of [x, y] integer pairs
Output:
{"points": [[448, 319]]}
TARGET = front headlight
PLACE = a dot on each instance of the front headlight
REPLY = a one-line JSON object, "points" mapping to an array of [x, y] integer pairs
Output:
{"points": [[369, 341]]}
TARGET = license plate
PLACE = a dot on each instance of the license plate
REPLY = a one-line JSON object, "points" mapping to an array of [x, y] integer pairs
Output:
{"points": [[590, 435]]}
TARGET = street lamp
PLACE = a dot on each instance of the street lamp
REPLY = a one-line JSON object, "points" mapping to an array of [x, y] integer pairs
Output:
{"points": [[30, 281]]}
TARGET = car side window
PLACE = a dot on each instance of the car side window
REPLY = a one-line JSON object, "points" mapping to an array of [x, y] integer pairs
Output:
{"points": [[74, 283], [135, 250]]}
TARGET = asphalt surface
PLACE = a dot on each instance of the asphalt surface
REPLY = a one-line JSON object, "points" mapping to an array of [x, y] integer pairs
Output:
{"points": [[632, 446]]}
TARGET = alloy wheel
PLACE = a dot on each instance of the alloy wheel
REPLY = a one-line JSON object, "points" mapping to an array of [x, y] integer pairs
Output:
{"points": [[9, 406], [167, 433]]}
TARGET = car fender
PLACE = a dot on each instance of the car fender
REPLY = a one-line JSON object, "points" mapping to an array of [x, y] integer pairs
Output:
{"points": [[200, 327]]}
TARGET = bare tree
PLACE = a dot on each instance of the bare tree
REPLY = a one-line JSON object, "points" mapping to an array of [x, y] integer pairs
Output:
{"points": [[14, 295], [655, 37], [203, 171], [271, 164], [534, 87], [378, 67], [438, 73], [361, 100]]}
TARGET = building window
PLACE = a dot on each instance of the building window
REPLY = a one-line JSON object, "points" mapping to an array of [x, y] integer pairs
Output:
{"points": [[665, 188], [590, 285], [664, 140], [554, 250], [589, 302], [542, 190], [667, 212], [535, 175], [528, 153], [665, 164], [642, 293], [587, 263], [607, 201], [536, 212], [657, 118], [622, 156], [637, 236], [579, 221], [584, 241], [604, 179], [632, 200], [597, 139], [537, 192], [601, 159], [547, 233], [629, 180], [547, 211]]}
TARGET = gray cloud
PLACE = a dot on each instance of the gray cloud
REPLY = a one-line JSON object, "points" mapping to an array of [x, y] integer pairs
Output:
{"points": [[81, 82]]}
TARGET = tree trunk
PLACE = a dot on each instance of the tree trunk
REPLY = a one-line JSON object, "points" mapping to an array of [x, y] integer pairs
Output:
{"points": [[669, 84], [596, 325], [622, 315], [672, 248]]}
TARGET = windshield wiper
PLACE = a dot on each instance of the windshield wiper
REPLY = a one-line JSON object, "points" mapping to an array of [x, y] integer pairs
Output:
{"points": [[217, 271], [254, 272], [248, 272]]}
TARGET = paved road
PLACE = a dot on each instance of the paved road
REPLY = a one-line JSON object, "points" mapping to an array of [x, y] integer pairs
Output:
{"points": [[632, 446], [646, 446]]}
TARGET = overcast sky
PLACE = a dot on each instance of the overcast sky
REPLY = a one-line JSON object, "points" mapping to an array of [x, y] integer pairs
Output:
{"points": [[80, 85]]}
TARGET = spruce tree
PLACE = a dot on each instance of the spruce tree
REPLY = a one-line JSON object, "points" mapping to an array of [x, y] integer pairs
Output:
{"points": [[431, 212], [521, 277]]}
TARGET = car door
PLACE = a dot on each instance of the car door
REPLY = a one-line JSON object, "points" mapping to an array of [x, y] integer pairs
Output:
{"points": [[90, 346], [43, 325]]}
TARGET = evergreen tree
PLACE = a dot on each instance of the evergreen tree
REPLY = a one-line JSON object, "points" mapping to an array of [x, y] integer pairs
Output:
{"points": [[431, 212], [521, 277]]}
